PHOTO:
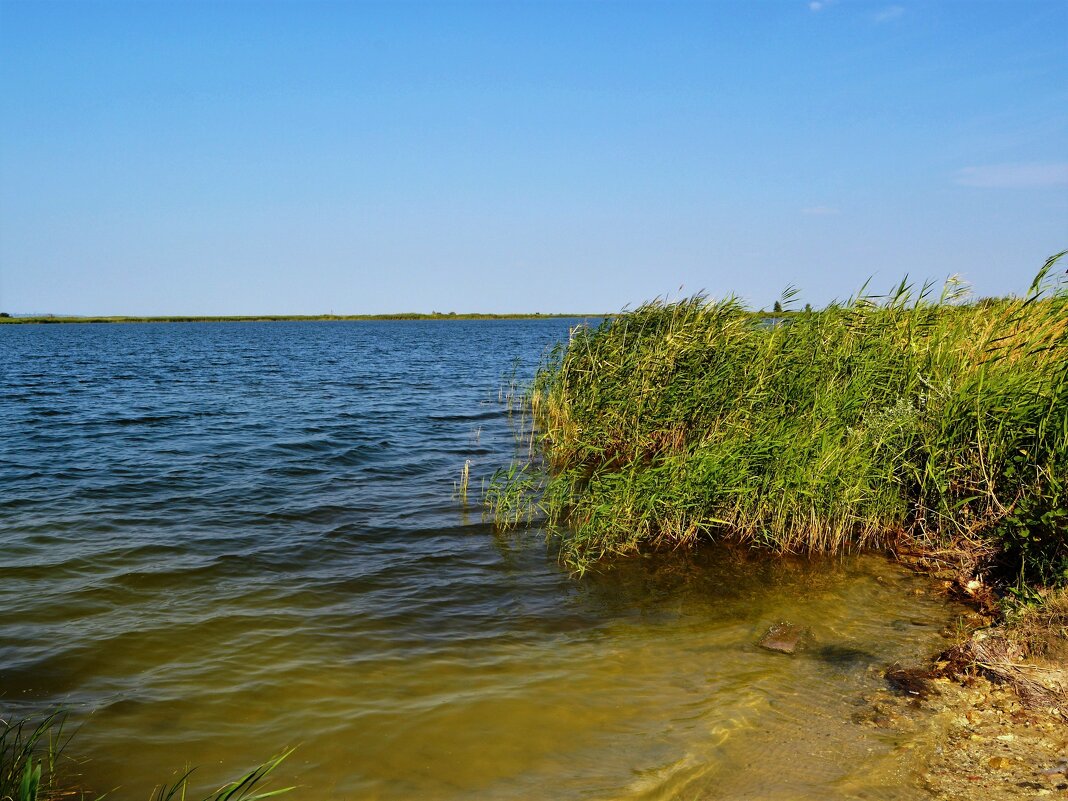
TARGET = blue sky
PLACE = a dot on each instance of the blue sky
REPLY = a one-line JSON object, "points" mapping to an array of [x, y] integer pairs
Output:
{"points": [[303, 157]]}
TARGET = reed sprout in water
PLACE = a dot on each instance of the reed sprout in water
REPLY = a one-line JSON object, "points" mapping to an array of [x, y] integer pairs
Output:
{"points": [[460, 489], [913, 413], [245, 788]]}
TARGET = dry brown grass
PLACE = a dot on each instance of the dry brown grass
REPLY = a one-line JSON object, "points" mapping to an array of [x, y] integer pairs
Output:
{"points": [[1025, 654]]}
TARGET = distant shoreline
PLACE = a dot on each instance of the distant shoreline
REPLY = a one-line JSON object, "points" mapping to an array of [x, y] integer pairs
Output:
{"points": [[46, 319], [43, 319]]}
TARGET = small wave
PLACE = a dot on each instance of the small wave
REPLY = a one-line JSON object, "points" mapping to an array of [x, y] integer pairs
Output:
{"points": [[356, 455], [45, 412], [302, 446], [142, 420], [470, 417]]}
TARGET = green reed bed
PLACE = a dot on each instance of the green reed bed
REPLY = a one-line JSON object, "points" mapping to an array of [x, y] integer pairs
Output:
{"points": [[914, 413]]}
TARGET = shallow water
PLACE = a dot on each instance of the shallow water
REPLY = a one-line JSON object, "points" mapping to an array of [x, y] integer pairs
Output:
{"points": [[220, 540]]}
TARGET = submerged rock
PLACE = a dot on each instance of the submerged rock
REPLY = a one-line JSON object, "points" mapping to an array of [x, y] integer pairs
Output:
{"points": [[843, 656], [909, 681], [785, 638]]}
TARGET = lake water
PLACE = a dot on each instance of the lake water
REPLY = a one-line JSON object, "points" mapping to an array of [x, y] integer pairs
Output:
{"points": [[221, 540]]}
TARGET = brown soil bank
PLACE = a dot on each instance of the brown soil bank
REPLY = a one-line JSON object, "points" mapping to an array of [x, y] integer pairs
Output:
{"points": [[998, 700]]}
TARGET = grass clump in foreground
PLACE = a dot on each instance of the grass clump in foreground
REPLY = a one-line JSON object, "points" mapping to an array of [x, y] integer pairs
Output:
{"points": [[907, 414], [32, 760], [28, 755]]}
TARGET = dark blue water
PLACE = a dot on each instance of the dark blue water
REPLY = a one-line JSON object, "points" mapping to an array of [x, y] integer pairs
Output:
{"points": [[220, 540]]}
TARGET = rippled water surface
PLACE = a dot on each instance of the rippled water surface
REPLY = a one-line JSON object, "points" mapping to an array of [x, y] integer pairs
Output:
{"points": [[220, 540]]}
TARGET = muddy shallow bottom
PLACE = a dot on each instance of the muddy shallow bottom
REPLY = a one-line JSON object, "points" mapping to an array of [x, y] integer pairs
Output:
{"points": [[642, 683]]}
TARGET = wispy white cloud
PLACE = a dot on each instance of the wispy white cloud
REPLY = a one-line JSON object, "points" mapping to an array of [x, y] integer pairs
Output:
{"points": [[890, 13], [818, 5], [1012, 176], [820, 211]]}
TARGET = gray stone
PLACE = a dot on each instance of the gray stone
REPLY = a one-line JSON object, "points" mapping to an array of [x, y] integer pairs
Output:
{"points": [[785, 638]]}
